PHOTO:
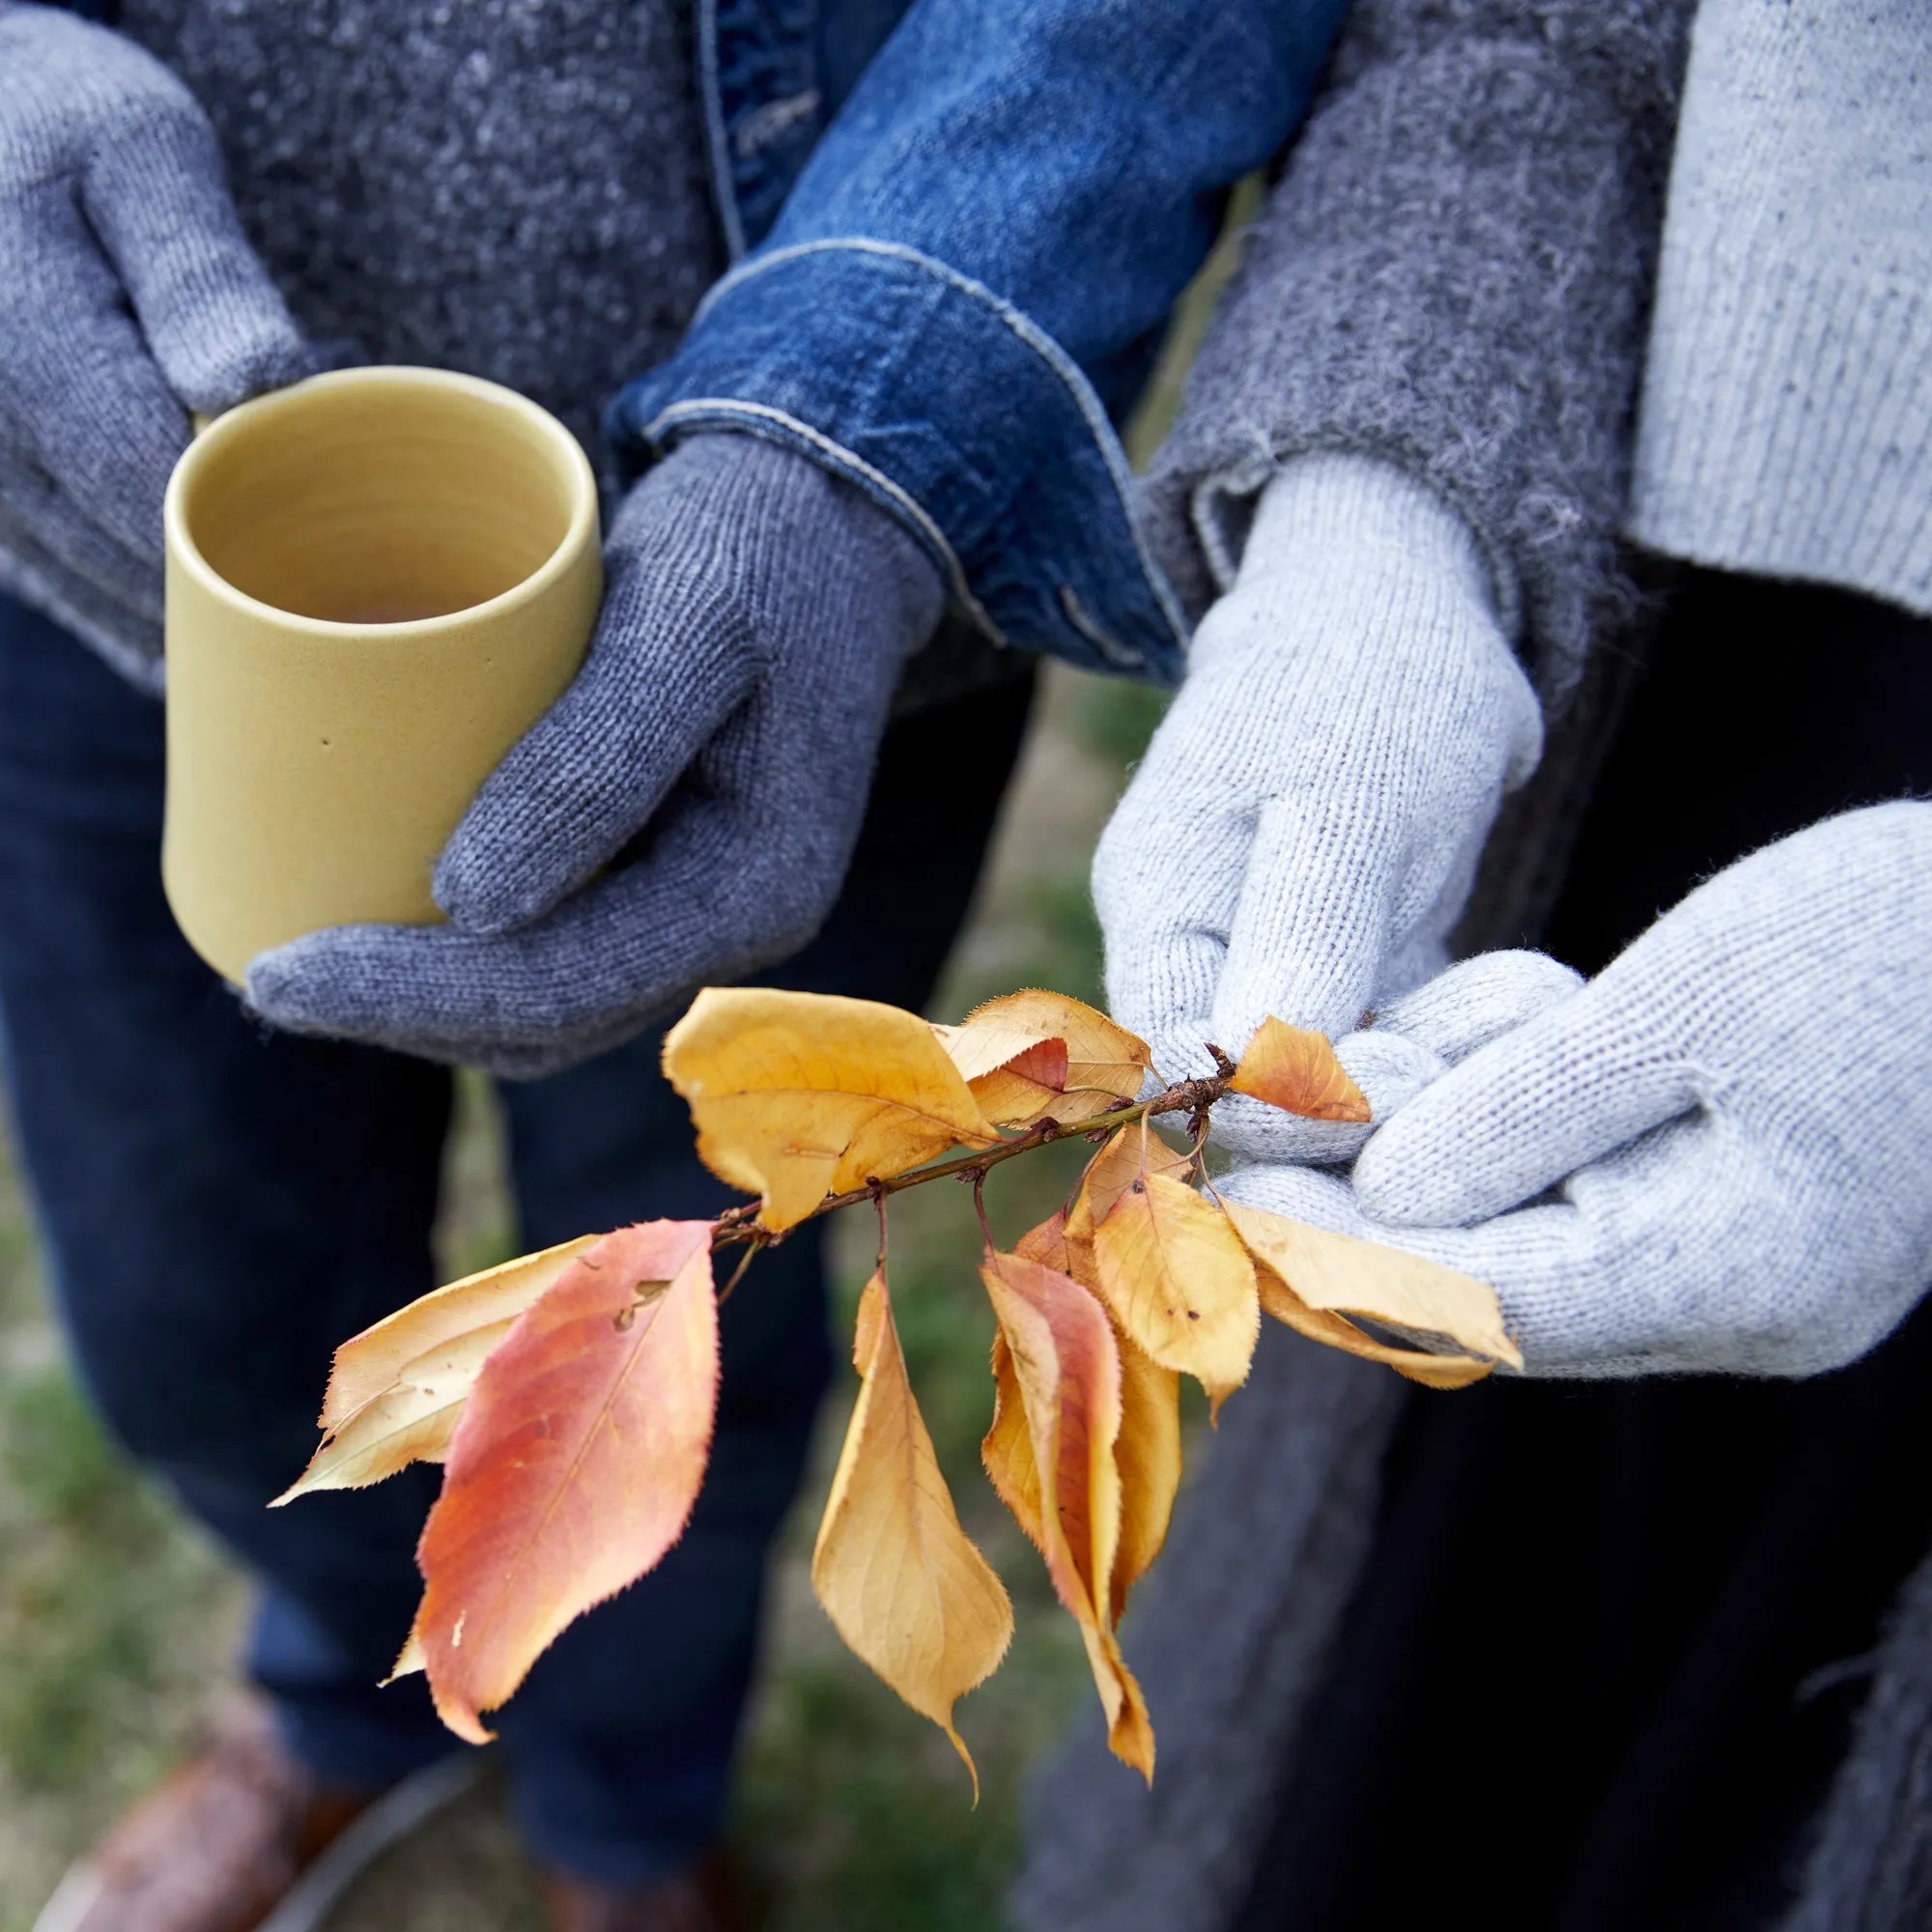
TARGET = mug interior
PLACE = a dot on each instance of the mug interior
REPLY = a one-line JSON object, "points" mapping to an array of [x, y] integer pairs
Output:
{"points": [[362, 498]]}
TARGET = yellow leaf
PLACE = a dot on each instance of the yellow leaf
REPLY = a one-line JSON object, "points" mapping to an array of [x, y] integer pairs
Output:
{"points": [[1178, 1280], [372, 1362], [398, 1389], [897, 1575], [410, 1422], [1007, 1452], [1131, 1154], [1066, 1369], [1296, 1070], [797, 1096], [1147, 1456], [1313, 1280], [1036, 1055]]}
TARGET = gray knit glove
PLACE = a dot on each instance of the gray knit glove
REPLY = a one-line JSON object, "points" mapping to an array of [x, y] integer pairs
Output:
{"points": [[715, 754], [1738, 1115], [1305, 826], [129, 297]]}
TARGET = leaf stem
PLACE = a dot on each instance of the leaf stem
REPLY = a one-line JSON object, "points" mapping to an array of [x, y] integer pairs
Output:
{"points": [[740, 1223]]}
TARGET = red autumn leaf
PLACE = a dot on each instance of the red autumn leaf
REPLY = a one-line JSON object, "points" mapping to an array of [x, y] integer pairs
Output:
{"points": [[576, 1464]]}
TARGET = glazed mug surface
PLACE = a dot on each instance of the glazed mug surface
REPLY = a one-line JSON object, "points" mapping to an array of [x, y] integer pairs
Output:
{"points": [[377, 580]]}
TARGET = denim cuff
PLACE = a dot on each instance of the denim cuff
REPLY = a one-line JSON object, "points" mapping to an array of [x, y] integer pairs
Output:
{"points": [[951, 410]]}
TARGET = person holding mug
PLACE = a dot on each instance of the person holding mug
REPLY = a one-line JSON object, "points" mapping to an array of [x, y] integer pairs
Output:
{"points": [[839, 485]]}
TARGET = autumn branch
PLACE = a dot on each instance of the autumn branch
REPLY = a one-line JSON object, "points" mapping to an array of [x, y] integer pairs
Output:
{"points": [[1191, 1096]]}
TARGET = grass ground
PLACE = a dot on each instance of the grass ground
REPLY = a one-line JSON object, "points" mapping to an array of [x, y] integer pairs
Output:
{"points": [[116, 1619]]}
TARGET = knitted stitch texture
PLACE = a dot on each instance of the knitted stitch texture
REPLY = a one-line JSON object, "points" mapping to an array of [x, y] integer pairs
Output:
{"points": [[1725, 1202], [684, 812], [1454, 275], [1787, 401], [513, 190]]}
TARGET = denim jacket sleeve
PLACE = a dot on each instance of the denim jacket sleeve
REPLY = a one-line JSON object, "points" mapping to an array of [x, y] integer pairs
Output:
{"points": [[960, 283]]}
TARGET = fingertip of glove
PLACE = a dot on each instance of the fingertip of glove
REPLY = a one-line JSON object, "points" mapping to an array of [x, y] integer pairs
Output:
{"points": [[483, 892], [1397, 1182]]}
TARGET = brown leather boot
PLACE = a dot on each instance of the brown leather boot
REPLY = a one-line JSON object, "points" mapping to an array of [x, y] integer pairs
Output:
{"points": [[217, 1848], [704, 1899]]}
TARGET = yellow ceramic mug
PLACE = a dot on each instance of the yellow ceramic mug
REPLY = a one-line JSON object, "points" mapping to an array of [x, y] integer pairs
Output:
{"points": [[377, 581]]}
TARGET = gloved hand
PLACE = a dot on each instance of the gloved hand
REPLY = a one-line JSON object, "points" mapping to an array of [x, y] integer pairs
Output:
{"points": [[719, 737], [1413, 1042], [1737, 1111], [129, 297], [1304, 829]]}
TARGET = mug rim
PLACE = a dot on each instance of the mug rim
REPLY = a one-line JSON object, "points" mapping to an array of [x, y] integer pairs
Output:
{"points": [[581, 526]]}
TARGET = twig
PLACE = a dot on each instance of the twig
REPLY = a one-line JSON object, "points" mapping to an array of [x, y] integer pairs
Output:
{"points": [[737, 1224]]}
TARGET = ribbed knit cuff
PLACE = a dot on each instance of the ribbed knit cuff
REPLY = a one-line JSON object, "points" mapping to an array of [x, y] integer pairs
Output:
{"points": [[1367, 529], [1787, 419]]}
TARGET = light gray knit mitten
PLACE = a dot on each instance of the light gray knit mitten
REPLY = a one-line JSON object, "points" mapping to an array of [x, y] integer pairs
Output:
{"points": [[685, 811], [1737, 1114], [1303, 831], [129, 297]]}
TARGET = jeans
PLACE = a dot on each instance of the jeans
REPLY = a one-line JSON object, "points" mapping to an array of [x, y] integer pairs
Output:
{"points": [[221, 1205]]}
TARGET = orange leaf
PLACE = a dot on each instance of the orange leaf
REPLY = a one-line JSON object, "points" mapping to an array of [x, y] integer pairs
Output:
{"points": [[1037, 1055], [1296, 1070], [1148, 1452], [1067, 1368], [1045, 1245], [1313, 1280], [897, 1574], [797, 1096], [1178, 1280], [576, 1464]]}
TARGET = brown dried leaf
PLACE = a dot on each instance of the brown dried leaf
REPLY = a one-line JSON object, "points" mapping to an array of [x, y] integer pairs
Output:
{"points": [[1296, 1070], [899, 1577], [797, 1096], [1314, 1280], [1037, 1055]]}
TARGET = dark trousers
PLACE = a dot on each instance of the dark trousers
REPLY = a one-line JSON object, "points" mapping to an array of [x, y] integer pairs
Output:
{"points": [[1611, 1644], [221, 1205]]}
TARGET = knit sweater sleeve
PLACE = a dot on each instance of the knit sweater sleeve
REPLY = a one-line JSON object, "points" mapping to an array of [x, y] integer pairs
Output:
{"points": [[1453, 275]]}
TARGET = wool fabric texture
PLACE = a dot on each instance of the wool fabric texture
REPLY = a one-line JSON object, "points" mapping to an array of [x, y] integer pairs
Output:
{"points": [[1301, 835], [1453, 275], [129, 296], [687, 809], [1786, 426], [513, 189], [1729, 1201]]}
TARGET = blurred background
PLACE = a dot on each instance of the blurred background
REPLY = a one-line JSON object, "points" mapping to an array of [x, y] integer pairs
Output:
{"points": [[118, 1620]]}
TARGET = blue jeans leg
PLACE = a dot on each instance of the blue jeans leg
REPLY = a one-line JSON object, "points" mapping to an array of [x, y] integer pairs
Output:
{"points": [[591, 1733], [221, 1207]]}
